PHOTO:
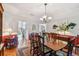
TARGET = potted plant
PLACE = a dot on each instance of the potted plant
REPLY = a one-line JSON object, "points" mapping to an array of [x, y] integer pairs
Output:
{"points": [[64, 27]]}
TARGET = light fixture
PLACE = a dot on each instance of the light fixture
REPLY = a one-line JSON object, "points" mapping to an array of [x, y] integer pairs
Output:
{"points": [[45, 18]]}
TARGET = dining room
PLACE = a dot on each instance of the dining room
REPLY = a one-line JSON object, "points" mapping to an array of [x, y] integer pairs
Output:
{"points": [[39, 29]]}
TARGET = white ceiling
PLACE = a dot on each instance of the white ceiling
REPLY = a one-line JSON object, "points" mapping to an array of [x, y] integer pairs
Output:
{"points": [[36, 10]]}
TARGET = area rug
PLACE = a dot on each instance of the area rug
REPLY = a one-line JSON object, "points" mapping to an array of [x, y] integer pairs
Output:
{"points": [[23, 51], [26, 52]]}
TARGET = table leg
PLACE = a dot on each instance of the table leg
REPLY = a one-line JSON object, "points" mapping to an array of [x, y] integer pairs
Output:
{"points": [[54, 53], [3, 51], [0, 53], [70, 49]]}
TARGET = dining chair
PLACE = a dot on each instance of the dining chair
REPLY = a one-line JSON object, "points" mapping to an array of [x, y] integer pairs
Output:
{"points": [[11, 42], [37, 47], [34, 48], [65, 51], [68, 49], [77, 50], [77, 45]]}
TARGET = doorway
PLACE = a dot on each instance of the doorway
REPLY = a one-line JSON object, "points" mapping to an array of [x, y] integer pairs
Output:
{"points": [[22, 34]]}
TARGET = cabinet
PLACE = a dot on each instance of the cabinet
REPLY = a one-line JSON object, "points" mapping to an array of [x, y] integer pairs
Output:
{"points": [[1, 44], [0, 27], [1, 17]]}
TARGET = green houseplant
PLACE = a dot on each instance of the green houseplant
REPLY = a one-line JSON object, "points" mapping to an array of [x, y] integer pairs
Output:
{"points": [[64, 27]]}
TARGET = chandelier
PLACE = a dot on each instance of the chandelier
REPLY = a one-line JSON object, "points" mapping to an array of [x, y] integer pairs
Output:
{"points": [[45, 18]]}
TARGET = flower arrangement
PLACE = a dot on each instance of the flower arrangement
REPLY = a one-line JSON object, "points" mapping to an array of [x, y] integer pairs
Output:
{"points": [[64, 27]]}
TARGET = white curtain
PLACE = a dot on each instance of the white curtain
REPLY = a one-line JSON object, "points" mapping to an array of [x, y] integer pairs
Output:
{"points": [[22, 34]]}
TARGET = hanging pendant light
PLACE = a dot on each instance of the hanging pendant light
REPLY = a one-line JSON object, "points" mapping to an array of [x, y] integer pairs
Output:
{"points": [[45, 18]]}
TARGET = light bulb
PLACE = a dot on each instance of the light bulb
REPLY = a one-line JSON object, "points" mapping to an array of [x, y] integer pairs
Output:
{"points": [[41, 19], [44, 16], [49, 17]]}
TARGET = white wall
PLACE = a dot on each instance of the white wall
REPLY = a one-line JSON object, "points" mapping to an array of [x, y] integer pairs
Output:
{"points": [[11, 21], [59, 12]]}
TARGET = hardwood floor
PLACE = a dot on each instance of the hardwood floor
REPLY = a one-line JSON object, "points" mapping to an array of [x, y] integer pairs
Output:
{"points": [[10, 52], [13, 52]]}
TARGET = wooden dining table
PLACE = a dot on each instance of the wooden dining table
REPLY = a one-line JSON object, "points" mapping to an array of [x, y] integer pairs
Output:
{"points": [[62, 37], [60, 45], [55, 46], [68, 39]]}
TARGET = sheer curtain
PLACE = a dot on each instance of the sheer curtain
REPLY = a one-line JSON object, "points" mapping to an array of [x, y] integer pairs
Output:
{"points": [[22, 34]]}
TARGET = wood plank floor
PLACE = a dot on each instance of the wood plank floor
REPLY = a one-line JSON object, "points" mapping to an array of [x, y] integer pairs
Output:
{"points": [[12, 52]]}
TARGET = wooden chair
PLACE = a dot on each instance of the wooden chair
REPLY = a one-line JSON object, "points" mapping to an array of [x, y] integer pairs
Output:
{"points": [[68, 49], [77, 45], [35, 44], [37, 47], [11, 42]]}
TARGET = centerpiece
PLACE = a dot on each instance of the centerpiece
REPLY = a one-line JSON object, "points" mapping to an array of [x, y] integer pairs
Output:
{"points": [[64, 28]]}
